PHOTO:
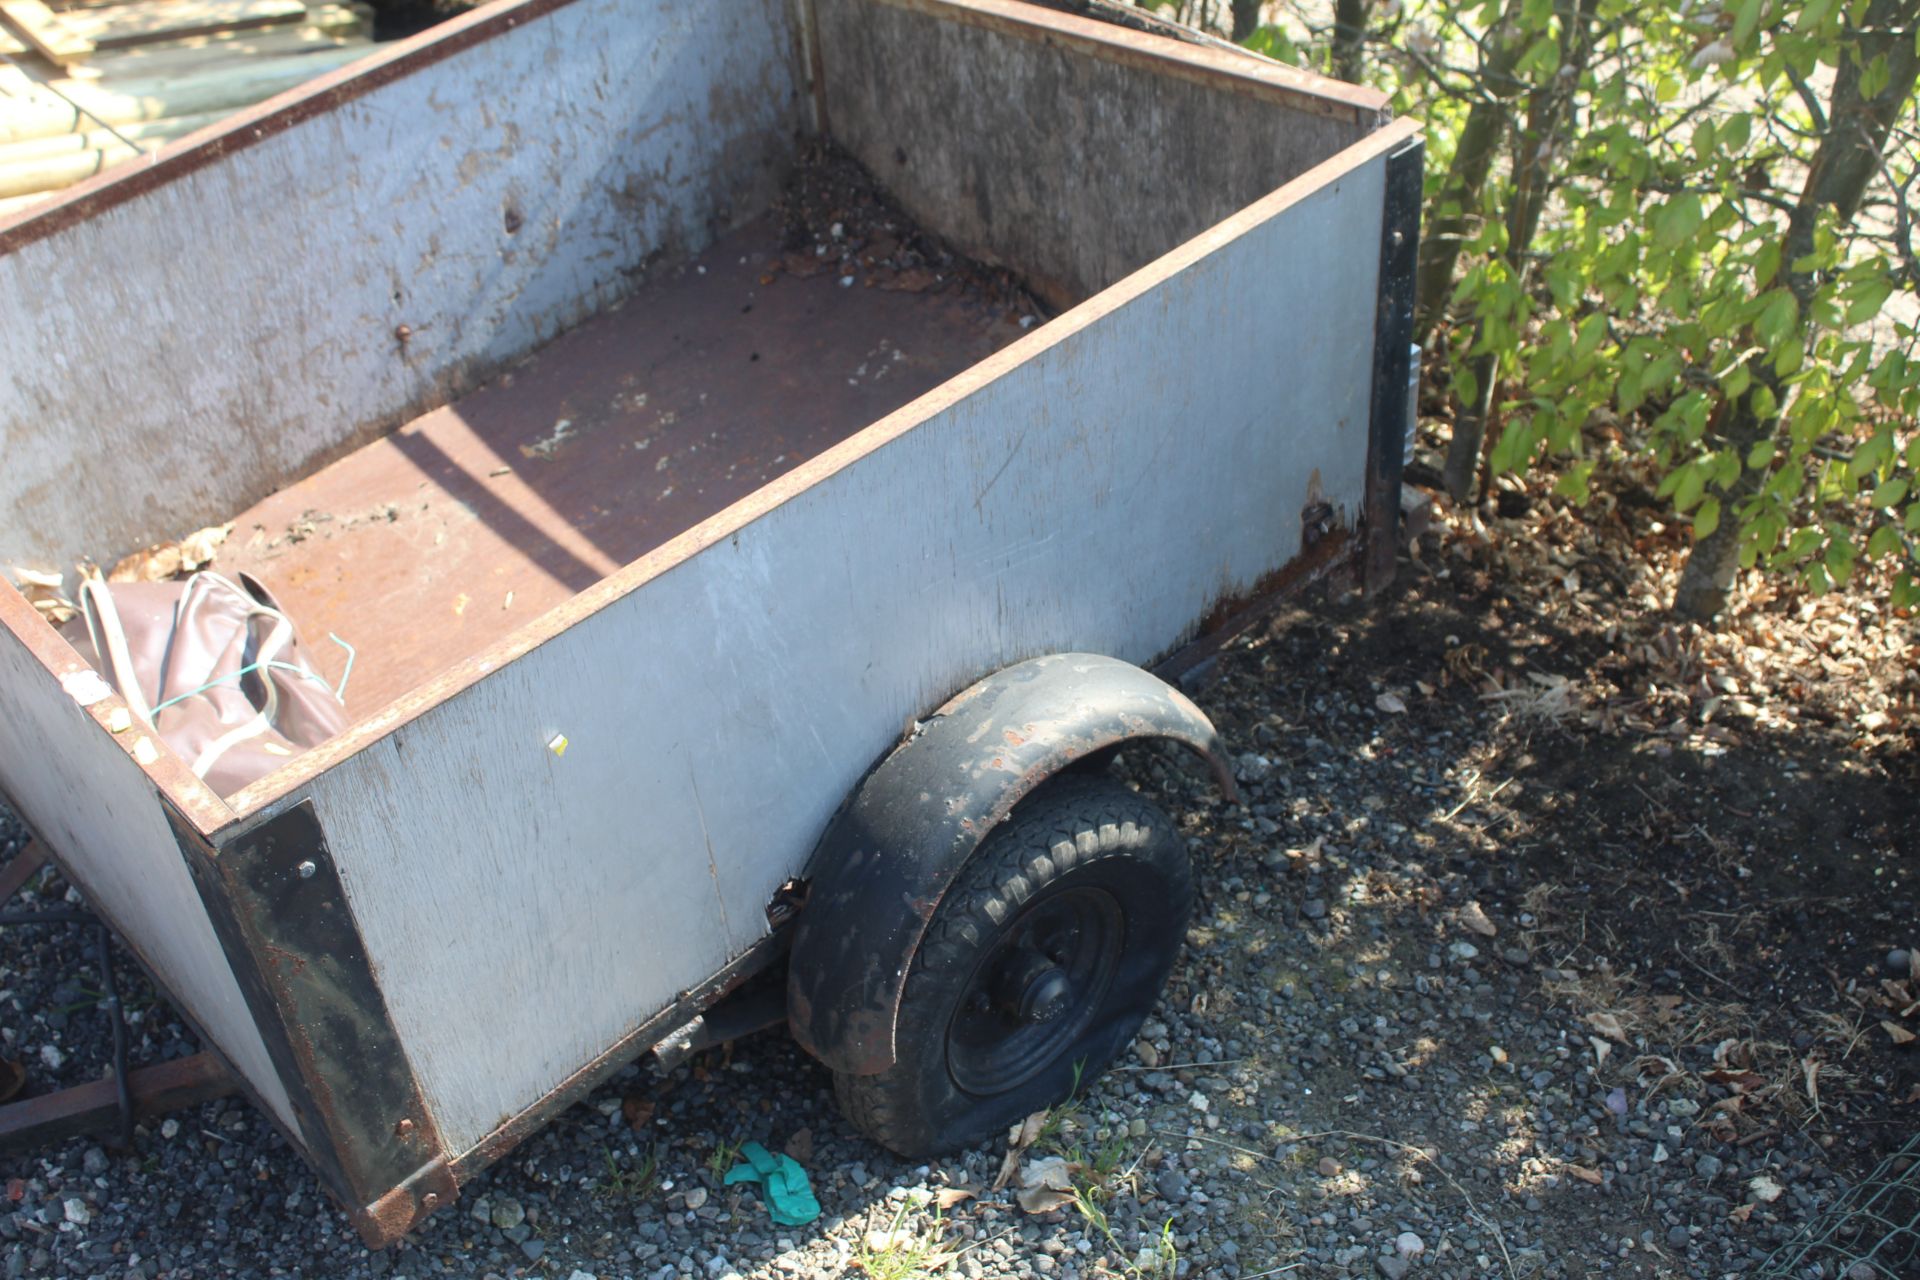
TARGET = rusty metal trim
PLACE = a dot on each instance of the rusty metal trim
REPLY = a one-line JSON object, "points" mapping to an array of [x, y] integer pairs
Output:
{"points": [[29, 1123], [1392, 343], [277, 905], [397, 1212], [1232, 616], [25, 865], [276, 115], [180, 823], [888, 858]]}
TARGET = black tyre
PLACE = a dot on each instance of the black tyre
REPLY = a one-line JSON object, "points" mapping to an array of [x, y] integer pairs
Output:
{"points": [[1038, 967]]}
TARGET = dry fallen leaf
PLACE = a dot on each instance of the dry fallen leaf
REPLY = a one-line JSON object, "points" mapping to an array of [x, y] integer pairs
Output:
{"points": [[1600, 1051], [1764, 1190], [1019, 1138], [156, 563], [1741, 1214], [197, 548], [1591, 1176], [1045, 1185], [1897, 1033], [800, 1145], [1607, 1025], [1391, 703], [1474, 917], [637, 1108], [947, 1197]]}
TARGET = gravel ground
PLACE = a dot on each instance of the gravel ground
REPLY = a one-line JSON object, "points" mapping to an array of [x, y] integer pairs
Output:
{"points": [[1425, 1025]]}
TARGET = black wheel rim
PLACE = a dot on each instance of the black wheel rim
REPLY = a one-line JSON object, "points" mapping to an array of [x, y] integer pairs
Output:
{"points": [[1043, 979]]}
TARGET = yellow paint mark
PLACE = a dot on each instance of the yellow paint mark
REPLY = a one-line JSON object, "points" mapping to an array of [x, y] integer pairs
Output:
{"points": [[559, 745], [119, 720]]}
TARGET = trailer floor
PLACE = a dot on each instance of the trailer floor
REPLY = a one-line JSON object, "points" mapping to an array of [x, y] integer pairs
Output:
{"points": [[429, 544]]}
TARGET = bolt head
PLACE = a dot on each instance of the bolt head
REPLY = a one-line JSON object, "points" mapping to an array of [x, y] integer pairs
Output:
{"points": [[308, 869]]}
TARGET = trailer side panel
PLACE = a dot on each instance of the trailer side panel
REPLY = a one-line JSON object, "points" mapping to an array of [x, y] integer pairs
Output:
{"points": [[1100, 485], [84, 792], [1073, 151], [277, 301]]}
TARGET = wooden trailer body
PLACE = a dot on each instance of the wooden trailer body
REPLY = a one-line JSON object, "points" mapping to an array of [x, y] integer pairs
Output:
{"points": [[559, 827]]}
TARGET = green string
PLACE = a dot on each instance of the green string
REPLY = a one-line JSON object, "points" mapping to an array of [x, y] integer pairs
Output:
{"points": [[269, 666]]}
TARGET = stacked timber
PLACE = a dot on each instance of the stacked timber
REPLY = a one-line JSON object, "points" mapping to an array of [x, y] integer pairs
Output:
{"points": [[86, 85]]}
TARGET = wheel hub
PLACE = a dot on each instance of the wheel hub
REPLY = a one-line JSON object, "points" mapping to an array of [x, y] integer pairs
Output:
{"points": [[1035, 989], [1046, 996]]}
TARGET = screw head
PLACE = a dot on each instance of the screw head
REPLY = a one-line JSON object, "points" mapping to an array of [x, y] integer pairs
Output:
{"points": [[429, 1200], [308, 869], [404, 1128]]}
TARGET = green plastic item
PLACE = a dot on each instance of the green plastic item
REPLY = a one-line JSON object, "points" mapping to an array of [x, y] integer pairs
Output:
{"points": [[789, 1195]]}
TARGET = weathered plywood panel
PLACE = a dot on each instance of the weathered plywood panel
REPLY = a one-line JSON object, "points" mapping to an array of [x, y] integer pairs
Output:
{"points": [[1096, 486], [1074, 158], [84, 794], [186, 352]]}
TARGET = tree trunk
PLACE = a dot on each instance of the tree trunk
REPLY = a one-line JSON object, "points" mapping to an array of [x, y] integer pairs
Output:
{"points": [[1246, 18], [1846, 160], [1349, 39], [1480, 137], [1548, 109]]}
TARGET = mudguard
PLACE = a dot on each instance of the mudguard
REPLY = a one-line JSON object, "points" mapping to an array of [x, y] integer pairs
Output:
{"points": [[884, 864]]}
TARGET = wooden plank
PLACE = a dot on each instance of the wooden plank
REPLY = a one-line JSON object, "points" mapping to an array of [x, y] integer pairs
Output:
{"points": [[1075, 491], [59, 106], [93, 798], [29, 1124], [122, 26], [44, 32], [128, 58], [672, 124], [145, 131], [205, 56]]}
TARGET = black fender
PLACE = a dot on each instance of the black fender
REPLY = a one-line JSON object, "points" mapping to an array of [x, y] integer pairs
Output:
{"points": [[886, 861]]}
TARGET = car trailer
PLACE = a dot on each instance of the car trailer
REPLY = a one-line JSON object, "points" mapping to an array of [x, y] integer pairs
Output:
{"points": [[685, 646]]}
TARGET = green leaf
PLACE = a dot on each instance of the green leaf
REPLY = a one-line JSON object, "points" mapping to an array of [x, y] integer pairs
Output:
{"points": [[1706, 519], [1676, 222], [1690, 484], [1867, 298], [1884, 542], [1760, 455], [1778, 316], [1745, 21], [1573, 482], [1906, 591], [1890, 493]]}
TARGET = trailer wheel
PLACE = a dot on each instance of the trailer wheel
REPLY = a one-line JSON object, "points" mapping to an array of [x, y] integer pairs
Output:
{"points": [[1038, 967]]}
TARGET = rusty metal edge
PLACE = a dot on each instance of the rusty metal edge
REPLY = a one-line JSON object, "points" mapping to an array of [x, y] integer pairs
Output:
{"points": [[279, 788], [281, 915], [263, 120], [208, 1043], [28, 1123], [1230, 68], [25, 865], [1233, 615], [1392, 342], [756, 958], [255, 124]]}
